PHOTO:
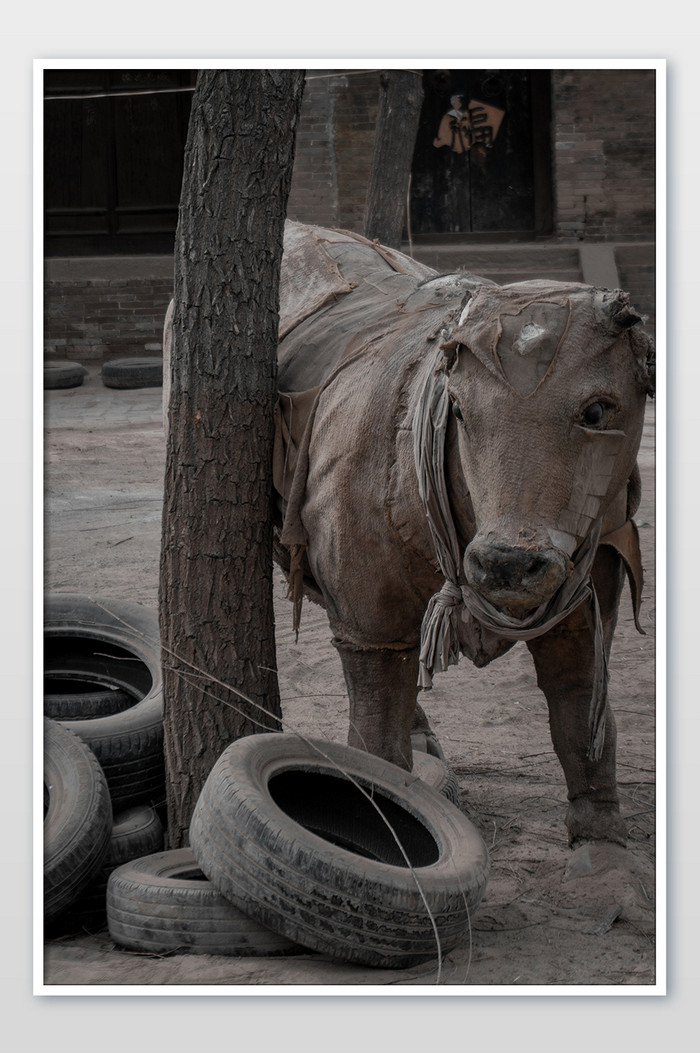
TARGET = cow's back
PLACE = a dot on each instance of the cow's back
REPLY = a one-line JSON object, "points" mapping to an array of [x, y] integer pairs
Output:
{"points": [[334, 287]]}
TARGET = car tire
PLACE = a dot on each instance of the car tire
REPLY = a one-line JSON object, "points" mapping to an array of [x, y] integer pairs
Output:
{"points": [[163, 903], [283, 831], [114, 642], [133, 372], [61, 374], [136, 832], [77, 696], [77, 818]]}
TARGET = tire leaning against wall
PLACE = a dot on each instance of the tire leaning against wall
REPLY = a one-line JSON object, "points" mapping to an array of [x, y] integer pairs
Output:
{"points": [[115, 641]]}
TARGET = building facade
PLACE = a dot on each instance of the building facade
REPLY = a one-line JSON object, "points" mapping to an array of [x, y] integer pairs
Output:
{"points": [[516, 173]]}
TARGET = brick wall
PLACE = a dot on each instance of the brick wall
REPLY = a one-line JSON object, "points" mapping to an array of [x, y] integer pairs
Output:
{"points": [[334, 148], [96, 309], [102, 308], [603, 125], [603, 129], [636, 268]]}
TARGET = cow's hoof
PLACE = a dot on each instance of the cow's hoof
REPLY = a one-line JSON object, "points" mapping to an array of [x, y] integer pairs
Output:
{"points": [[427, 742], [609, 883], [595, 821]]}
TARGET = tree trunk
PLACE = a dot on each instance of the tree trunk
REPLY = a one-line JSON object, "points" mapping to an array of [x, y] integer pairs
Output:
{"points": [[400, 100], [216, 611]]}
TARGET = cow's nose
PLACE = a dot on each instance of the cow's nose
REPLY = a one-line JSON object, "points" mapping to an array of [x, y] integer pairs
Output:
{"points": [[514, 576]]}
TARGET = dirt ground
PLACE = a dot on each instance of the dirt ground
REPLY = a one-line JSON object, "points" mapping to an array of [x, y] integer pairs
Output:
{"points": [[537, 925]]}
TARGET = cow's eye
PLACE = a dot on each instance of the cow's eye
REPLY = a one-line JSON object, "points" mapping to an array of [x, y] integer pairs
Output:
{"points": [[457, 412], [593, 414], [596, 414]]}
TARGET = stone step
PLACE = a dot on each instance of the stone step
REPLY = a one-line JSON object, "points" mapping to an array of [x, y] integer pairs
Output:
{"points": [[503, 263], [594, 262]]}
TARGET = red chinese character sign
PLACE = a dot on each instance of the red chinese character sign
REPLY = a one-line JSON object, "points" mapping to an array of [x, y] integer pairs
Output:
{"points": [[480, 134], [462, 128]]}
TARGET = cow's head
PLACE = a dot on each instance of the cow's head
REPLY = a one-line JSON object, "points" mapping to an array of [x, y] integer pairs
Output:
{"points": [[548, 382]]}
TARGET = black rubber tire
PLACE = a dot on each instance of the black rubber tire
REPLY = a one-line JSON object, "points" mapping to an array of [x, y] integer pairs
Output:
{"points": [[78, 696], [283, 833], [61, 374], [164, 903], [133, 372], [77, 818], [118, 642], [136, 832], [435, 773]]}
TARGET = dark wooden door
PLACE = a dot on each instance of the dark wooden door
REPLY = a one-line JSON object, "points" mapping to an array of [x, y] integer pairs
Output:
{"points": [[113, 153], [482, 163]]}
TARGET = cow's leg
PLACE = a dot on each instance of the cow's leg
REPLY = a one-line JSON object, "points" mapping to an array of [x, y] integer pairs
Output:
{"points": [[382, 686], [564, 660]]}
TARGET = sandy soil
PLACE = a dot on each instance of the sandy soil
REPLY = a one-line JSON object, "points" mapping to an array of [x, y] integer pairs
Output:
{"points": [[538, 924]]}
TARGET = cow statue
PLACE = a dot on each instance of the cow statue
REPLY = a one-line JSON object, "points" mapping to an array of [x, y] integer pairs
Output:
{"points": [[455, 465], [457, 471]]}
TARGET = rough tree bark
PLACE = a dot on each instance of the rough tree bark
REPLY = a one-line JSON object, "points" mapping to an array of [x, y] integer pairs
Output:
{"points": [[216, 613], [400, 99]]}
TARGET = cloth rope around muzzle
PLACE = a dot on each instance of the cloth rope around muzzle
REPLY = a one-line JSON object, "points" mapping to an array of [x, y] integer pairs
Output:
{"points": [[458, 617]]}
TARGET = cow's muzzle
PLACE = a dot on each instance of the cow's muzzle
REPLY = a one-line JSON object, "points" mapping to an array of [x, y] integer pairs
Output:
{"points": [[514, 578]]}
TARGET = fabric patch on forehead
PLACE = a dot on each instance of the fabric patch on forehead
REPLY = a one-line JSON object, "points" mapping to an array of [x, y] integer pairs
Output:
{"points": [[528, 343], [516, 330]]}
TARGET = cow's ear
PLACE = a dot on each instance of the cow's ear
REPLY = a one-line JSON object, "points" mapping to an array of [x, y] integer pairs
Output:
{"points": [[618, 317], [617, 312], [644, 351]]}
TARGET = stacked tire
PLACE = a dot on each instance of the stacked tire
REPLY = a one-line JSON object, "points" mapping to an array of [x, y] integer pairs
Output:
{"points": [[134, 833], [108, 651], [77, 818], [103, 750], [296, 845], [164, 903]]}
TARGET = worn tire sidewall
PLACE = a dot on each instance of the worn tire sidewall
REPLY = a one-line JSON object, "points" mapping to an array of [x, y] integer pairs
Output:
{"points": [[269, 865], [151, 905], [78, 821], [60, 375], [134, 628], [125, 373]]}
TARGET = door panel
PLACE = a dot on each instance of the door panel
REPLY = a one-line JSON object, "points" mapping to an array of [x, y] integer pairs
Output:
{"points": [[113, 158], [475, 170]]}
